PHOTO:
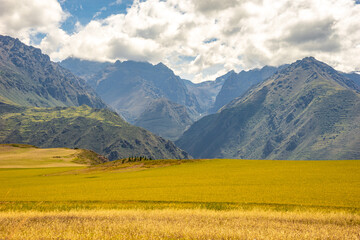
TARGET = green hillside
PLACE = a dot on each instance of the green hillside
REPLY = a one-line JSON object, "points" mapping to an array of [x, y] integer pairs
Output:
{"points": [[27, 156], [306, 111], [82, 127]]}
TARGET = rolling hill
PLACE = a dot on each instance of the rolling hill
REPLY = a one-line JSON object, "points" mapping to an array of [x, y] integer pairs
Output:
{"points": [[100, 130], [27, 156], [307, 110]]}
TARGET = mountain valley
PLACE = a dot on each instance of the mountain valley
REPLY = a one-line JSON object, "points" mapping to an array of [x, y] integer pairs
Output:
{"points": [[304, 110]]}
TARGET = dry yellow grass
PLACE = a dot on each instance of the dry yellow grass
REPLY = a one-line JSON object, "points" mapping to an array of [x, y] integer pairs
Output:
{"points": [[31, 157], [178, 224]]}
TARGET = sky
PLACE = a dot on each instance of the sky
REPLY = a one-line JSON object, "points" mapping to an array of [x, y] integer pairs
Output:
{"points": [[198, 39]]}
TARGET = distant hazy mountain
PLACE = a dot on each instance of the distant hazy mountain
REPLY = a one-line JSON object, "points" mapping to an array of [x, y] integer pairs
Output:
{"points": [[236, 84], [355, 77], [165, 118], [305, 111], [206, 92], [99, 130], [29, 78], [129, 87], [83, 68]]}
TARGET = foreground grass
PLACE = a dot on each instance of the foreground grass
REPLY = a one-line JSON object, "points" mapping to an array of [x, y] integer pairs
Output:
{"points": [[208, 199], [178, 224]]}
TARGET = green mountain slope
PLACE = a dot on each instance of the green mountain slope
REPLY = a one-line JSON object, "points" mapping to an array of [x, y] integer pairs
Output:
{"points": [[165, 118], [99, 130], [306, 111], [29, 78]]}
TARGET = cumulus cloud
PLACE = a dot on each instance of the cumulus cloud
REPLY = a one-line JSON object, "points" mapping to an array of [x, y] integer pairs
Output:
{"points": [[201, 39], [25, 18], [206, 6]]}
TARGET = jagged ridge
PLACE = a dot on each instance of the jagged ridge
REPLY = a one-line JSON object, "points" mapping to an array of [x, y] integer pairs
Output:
{"points": [[306, 111]]}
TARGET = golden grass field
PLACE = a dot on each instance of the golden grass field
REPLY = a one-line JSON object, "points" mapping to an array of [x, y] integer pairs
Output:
{"points": [[30, 157], [206, 199]]}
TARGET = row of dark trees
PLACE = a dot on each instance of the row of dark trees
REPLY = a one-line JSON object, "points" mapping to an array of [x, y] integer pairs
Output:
{"points": [[135, 159]]}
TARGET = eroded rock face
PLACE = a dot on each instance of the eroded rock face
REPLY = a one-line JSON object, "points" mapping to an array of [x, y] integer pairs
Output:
{"points": [[308, 110], [29, 78], [129, 87], [236, 84]]}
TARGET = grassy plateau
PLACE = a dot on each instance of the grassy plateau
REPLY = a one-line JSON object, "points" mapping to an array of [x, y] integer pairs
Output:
{"points": [[195, 199], [26, 156]]}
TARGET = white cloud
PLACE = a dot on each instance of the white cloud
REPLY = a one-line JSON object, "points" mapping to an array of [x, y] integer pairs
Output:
{"points": [[245, 34], [100, 12], [24, 18], [116, 2]]}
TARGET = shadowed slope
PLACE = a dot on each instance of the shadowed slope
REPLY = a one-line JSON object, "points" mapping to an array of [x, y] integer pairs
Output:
{"points": [[164, 118], [29, 78], [236, 84], [306, 111]]}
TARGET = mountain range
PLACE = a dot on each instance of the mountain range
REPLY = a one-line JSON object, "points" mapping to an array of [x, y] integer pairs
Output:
{"points": [[303, 110], [149, 96], [84, 69], [307, 110], [138, 92], [43, 104], [129, 87]]}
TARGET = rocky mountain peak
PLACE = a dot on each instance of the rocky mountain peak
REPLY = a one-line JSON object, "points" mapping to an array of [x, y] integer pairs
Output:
{"points": [[317, 70], [162, 67], [307, 110], [28, 77]]}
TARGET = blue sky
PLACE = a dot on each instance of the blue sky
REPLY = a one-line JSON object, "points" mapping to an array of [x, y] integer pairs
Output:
{"points": [[83, 11], [199, 39]]}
